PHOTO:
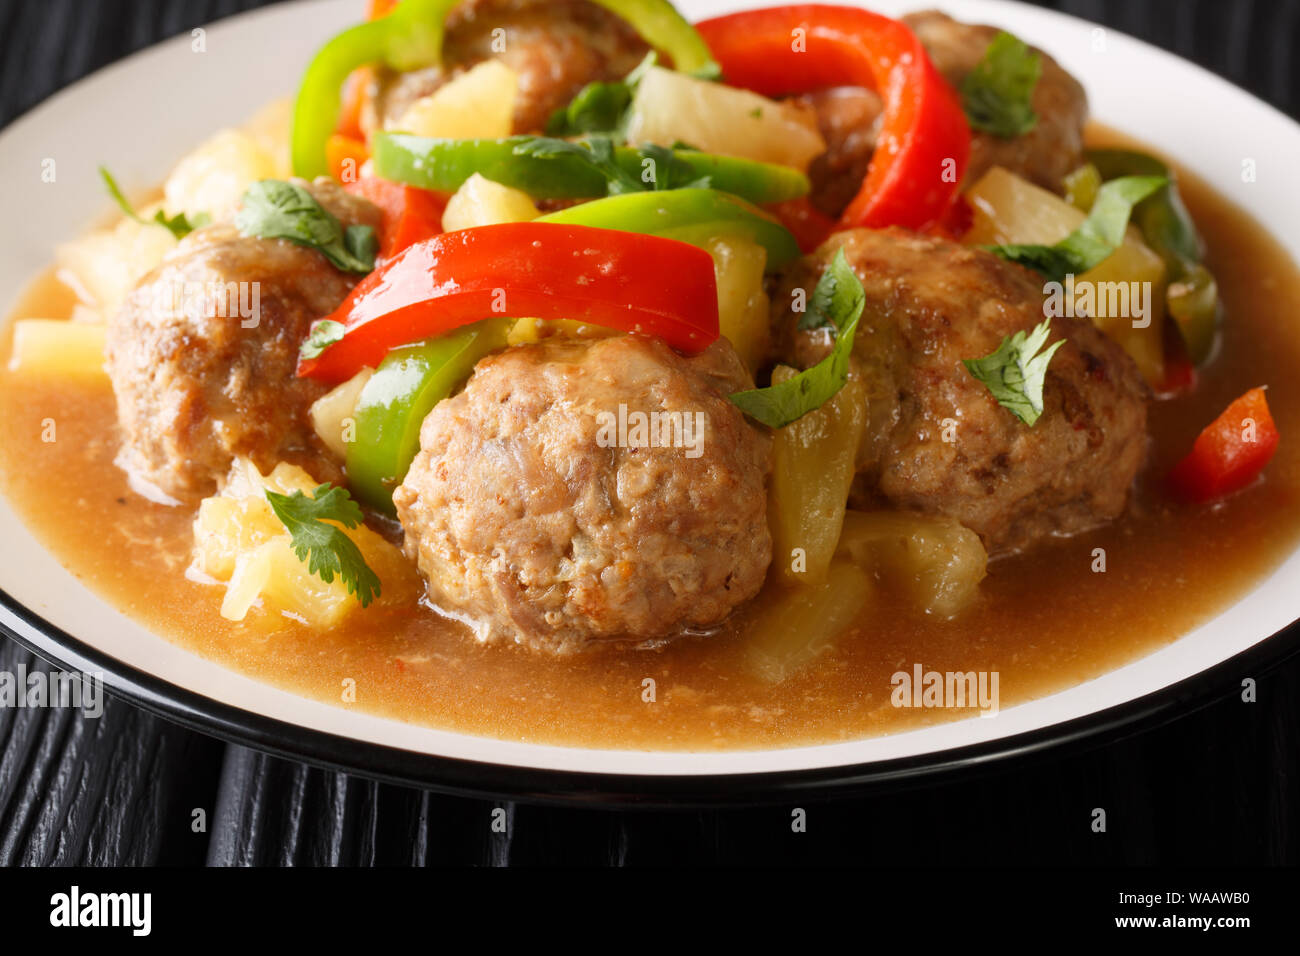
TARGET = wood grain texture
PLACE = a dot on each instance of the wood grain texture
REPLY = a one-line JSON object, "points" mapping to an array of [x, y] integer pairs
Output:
{"points": [[1221, 786]]}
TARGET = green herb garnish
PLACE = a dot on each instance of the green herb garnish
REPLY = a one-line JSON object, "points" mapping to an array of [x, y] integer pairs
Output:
{"points": [[600, 107], [998, 94], [273, 209], [1097, 237], [597, 153], [178, 225], [1016, 372], [325, 547], [837, 302], [323, 334]]}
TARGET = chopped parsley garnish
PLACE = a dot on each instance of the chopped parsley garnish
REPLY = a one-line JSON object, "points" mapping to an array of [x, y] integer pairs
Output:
{"points": [[660, 167], [837, 302], [1016, 372], [998, 94], [273, 209], [600, 107], [1097, 237], [325, 547], [323, 334], [178, 225]]}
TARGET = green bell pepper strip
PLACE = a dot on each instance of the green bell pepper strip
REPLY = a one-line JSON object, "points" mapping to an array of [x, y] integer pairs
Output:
{"points": [[394, 402], [689, 215], [444, 164], [410, 38], [663, 28], [1169, 230]]}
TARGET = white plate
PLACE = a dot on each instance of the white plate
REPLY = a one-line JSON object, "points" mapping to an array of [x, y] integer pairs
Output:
{"points": [[139, 116]]}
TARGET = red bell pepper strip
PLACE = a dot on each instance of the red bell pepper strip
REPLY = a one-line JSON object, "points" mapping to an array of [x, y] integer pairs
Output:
{"points": [[619, 280], [344, 155], [1230, 453], [924, 141], [410, 214], [809, 225]]}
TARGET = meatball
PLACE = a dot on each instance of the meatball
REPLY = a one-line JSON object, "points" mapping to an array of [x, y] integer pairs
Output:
{"points": [[202, 354], [555, 46], [938, 442], [848, 118], [534, 520], [1050, 150]]}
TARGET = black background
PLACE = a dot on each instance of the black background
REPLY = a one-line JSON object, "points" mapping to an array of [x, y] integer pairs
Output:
{"points": [[1219, 786]]}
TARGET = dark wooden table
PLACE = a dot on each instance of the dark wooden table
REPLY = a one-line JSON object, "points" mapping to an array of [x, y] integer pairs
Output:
{"points": [[1219, 786]]}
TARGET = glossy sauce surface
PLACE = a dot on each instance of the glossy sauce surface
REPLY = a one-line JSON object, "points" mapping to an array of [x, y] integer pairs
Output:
{"points": [[1045, 620]]}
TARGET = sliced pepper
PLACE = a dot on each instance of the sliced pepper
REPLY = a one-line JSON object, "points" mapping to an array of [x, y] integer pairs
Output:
{"points": [[924, 137], [409, 213], [689, 215], [345, 155], [1230, 453], [444, 164], [809, 225], [602, 277], [395, 400], [409, 36], [1168, 228], [406, 38]]}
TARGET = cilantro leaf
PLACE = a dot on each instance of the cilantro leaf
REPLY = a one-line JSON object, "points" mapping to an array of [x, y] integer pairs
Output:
{"points": [[596, 153], [840, 297], [600, 107], [659, 166], [323, 334], [1016, 372], [836, 294], [1097, 237], [325, 547], [273, 209], [668, 172], [998, 94], [178, 225]]}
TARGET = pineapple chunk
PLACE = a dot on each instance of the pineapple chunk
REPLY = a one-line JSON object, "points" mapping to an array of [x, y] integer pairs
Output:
{"points": [[790, 627], [743, 305], [213, 178], [481, 202], [672, 107], [105, 265], [1008, 209], [936, 562], [270, 130], [478, 104], [58, 348], [813, 463], [331, 414], [239, 541]]}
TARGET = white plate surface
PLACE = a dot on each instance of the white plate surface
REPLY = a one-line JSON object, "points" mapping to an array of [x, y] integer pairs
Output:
{"points": [[139, 116]]}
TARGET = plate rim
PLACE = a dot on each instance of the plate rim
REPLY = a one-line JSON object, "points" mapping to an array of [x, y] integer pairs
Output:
{"points": [[463, 776], [483, 780]]}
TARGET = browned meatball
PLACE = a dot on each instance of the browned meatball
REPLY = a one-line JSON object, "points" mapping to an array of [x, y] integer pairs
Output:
{"points": [[195, 387], [849, 119], [1047, 152], [555, 46], [938, 441], [531, 524]]}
